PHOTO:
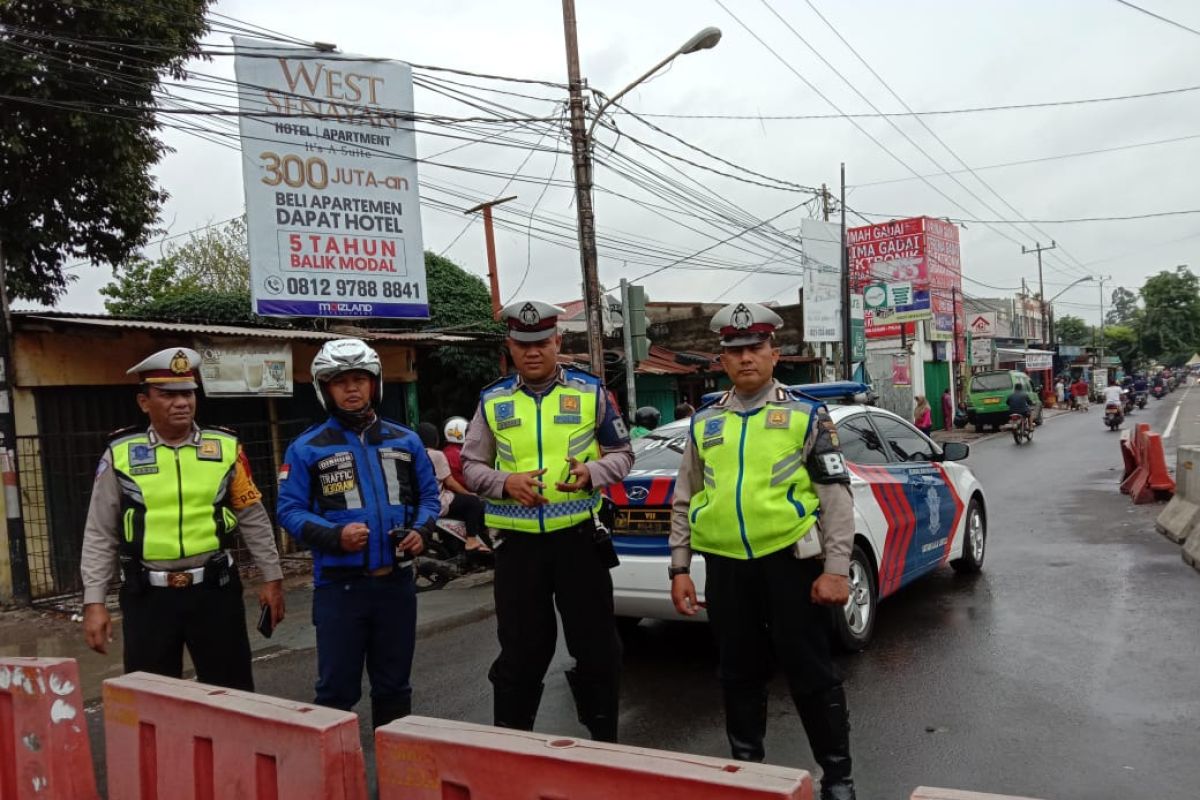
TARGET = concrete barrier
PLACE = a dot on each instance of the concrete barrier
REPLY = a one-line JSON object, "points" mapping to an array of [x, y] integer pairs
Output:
{"points": [[1182, 514], [169, 738], [418, 758], [928, 793], [44, 748]]}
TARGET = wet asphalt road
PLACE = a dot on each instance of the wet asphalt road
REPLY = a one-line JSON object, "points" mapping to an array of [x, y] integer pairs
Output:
{"points": [[1069, 669]]}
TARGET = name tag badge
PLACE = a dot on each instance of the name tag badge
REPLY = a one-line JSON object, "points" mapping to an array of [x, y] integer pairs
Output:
{"points": [[395, 454], [707, 443], [779, 417], [143, 470], [568, 419]]}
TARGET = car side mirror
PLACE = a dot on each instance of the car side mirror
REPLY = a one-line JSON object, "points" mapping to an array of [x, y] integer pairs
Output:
{"points": [[955, 451]]}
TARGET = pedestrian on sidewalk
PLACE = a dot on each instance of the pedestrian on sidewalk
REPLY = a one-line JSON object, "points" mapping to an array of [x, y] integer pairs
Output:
{"points": [[541, 445], [166, 503], [947, 410], [923, 416], [774, 572], [1060, 392], [359, 491]]}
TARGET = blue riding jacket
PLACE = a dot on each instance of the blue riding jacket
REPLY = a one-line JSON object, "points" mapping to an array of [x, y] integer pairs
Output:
{"points": [[332, 477]]}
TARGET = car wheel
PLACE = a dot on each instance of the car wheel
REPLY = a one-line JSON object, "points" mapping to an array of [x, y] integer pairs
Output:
{"points": [[980, 427], [975, 540], [855, 622]]}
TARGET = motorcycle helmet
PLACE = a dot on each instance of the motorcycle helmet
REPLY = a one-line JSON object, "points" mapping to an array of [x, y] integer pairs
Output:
{"points": [[647, 417], [455, 430], [346, 355]]}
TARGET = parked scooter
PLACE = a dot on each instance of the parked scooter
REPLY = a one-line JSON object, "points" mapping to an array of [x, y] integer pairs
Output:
{"points": [[1113, 416]]}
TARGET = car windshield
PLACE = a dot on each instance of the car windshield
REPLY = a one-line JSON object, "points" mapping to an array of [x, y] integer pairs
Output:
{"points": [[1000, 381]]}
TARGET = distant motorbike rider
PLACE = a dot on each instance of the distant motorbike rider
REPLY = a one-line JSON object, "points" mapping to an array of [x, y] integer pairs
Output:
{"points": [[1113, 394], [645, 419], [1140, 385], [1018, 403]]}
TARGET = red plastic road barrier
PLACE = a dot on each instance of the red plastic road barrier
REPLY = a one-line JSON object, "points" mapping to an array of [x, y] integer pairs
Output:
{"points": [[1156, 463], [1129, 456], [171, 739], [927, 793], [44, 749], [418, 758]]}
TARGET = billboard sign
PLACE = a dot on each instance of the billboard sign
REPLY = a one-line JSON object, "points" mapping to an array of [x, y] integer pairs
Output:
{"points": [[983, 352], [982, 326], [330, 174], [1036, 362], [901, 370], [822, 242], [258, 369], [858, 329]]}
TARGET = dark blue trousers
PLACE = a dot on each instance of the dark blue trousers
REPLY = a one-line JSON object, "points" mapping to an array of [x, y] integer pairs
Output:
{"points": [[371, 621]]}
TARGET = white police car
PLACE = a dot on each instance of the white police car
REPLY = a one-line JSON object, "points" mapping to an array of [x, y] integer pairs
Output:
{"points": [[915, 508]]}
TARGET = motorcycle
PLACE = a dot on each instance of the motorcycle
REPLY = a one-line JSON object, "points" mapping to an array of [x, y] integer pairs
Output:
{"points": [[1158, 392], [1022, 428], [1141, 399], [1113, 416], [1127, 403], [446, 556]]}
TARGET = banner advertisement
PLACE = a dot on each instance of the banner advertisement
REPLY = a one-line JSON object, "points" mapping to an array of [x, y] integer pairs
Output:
{"points": [[822, 242], [330, 174], [901, 372], [858, 329], [983, 352], [922, 252], [983, 325], [1035, 362], [257, 369]]}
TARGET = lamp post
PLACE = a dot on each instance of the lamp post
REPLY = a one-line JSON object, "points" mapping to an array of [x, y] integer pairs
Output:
{"points": [[581, 153], [1050, 305]]}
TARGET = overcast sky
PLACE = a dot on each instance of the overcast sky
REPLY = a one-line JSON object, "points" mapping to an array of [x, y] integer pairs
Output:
{"points": [[935, 55]]}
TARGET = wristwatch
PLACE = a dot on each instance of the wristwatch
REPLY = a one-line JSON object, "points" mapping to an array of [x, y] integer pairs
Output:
{"points": [[673, 571]]}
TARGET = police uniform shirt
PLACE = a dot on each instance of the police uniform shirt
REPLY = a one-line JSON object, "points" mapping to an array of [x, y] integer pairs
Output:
{"points": [[102, 531], [836, 524], [479, 451]]}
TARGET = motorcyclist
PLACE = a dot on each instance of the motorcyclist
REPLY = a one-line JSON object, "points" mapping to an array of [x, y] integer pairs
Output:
{"points": [[1113, 394], [1140, 385], [1018, 403], [645, 419]]}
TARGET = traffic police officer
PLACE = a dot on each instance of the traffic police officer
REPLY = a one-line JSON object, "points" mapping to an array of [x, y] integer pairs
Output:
{"points": [[360, 491], [761, 466], [166, 502], [541, 445]]}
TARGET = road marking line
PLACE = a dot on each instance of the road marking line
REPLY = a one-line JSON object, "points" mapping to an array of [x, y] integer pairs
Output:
{"points": [[1175, 413]]}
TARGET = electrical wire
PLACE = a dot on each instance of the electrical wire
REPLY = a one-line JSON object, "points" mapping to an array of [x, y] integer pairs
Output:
{"points": [[1159, 17]]}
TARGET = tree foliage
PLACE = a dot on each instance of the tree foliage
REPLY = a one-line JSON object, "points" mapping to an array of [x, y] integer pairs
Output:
{"points": [[1073, 331], [1124, 307], [1170, 325], [78, 133], [1122, 341]]}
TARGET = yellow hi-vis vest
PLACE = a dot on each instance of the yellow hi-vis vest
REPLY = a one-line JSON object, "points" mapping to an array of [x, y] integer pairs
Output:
{"points": [[175, 501], [535, 433], [757, 497]]}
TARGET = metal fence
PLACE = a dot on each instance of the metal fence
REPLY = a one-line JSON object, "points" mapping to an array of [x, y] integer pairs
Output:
{"points": [[57, 472]]}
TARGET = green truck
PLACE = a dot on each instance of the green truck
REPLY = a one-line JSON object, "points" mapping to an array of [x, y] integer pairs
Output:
{"points": [[987, 398]]}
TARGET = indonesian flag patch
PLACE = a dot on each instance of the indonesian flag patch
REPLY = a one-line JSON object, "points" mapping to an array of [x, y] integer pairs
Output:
{"points": [[284, 471]]}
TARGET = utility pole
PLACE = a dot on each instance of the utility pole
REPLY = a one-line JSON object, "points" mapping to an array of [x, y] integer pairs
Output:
{"points": [[1024, 305], [490, 240], [17, 553], [582, 161], [1102, 282], [627, 337], [847, 347], [825, 202], [1037, 248]]}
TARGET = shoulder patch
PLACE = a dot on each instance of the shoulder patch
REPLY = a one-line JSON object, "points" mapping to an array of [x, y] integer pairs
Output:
{"points": [[582, 372], [128, 430], [221, 429]]}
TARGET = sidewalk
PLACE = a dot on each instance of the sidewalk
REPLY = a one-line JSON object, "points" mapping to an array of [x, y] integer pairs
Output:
{"points": [[969, 435], [51, 634]]}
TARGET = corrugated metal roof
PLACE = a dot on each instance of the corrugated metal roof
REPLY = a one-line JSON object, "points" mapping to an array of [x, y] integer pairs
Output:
{"points": [[409, 337]]}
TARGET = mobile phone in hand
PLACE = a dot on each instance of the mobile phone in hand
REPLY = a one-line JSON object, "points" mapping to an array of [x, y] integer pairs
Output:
{"points": [[264, 622]]}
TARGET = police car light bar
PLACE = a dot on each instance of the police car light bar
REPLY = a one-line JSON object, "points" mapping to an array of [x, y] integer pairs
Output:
{"points": [[851, 391]]}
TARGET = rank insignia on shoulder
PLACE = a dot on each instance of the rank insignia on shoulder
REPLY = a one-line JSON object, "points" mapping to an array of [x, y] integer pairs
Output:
{"points": [[210, 450], [778, 417]]}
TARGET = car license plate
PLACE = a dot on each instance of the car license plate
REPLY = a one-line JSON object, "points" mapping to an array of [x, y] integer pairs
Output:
{"points": [[643, 521], [991, 401]]}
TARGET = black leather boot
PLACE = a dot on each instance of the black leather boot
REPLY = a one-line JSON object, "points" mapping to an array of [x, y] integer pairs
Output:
{"points": [[827, 722], [387, 710], [597, 705], [746, 722]]}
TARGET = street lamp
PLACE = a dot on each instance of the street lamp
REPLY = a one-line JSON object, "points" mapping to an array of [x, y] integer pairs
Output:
{"points": [[581, 140], [1050, 305]]}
